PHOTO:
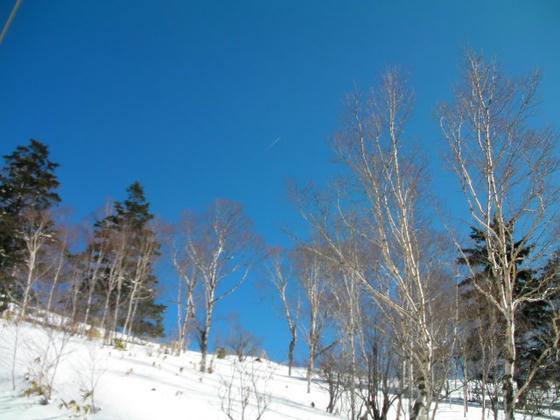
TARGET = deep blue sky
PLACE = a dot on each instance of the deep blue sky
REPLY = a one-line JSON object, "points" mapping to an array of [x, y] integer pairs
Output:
{"points": [[187, 97]]}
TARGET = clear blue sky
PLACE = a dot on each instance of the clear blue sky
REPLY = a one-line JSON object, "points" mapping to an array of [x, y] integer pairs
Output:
{"points": [[187, 97]]}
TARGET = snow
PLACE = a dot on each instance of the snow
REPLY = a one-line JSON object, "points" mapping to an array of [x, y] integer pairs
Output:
{"points": [[145, 381], [141, 382]]}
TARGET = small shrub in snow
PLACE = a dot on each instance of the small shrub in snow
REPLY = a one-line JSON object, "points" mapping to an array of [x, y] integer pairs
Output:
{"points": [[75, 328], [90, 372], [8, 315], [221, 353], [93, 333], [239, 341], [78, 410], [244, 393], [119, 344], [43, 368], [36, 388]]}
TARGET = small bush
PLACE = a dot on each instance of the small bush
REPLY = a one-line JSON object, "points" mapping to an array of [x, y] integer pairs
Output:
{"points": [[119, 344], [243, 392], [75, 328], [78, 409], [34, 389], [221, 353], [93, 333]]}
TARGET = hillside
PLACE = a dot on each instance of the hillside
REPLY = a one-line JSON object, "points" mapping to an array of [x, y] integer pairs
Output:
{"points": [[142, 382], [145, 381]]}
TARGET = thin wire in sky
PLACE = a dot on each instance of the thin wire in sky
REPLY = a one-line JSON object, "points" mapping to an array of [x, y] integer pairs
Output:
{"points": [[9, 21]]}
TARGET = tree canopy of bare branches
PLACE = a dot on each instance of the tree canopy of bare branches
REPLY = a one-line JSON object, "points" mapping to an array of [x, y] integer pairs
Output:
{"points": [[506, 170], [221, 248], [381, 204]]}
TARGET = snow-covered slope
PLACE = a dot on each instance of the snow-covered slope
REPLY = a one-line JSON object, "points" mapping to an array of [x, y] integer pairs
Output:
{"points": [[141, 382], [146, 382]]}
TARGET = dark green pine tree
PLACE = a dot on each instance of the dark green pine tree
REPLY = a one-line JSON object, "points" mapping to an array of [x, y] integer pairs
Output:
{"points": [[135, 212], [27, 183], [134, 216], [531, 317]]}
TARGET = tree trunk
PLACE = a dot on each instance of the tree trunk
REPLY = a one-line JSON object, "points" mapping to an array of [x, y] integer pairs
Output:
{"points": [[105, 309], [310, 366], [352, 372], [204, 340], [92, 284], [399, 408], [419, 410], [132, 318], [465, 389], [189, 314], [55, 279], [183, 331], [509, 403], [131, 302], [116, 311], [29, 282], [291, 349]]}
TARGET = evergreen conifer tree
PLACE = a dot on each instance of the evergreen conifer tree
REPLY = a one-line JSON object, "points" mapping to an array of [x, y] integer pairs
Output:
{"points": [[27, 184], [136, 295], [534, 322]]}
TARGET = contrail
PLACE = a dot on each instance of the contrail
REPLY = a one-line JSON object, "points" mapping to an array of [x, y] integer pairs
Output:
{"points": [[271, 145]]}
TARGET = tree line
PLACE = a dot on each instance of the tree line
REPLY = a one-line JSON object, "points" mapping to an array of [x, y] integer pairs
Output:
{"points": [[396, 307], [103, 277]]}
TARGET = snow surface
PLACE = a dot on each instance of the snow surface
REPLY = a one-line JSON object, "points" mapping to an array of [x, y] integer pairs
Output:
{"points": [[143, 382]]}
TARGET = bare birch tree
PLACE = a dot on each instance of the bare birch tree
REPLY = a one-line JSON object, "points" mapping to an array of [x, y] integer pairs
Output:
{"points": [[379, 388], [382, 202], [221, 247], [312, 277], [35, 234], [138, 278], [94, 259], [60, 255], [117, 275], [113, 279], [347, 300], [187, 281], [280, 273], [506, 171]]}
